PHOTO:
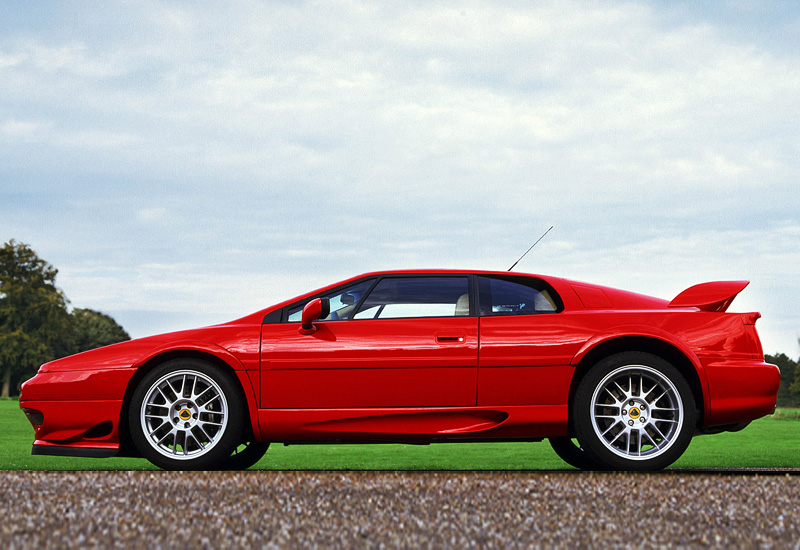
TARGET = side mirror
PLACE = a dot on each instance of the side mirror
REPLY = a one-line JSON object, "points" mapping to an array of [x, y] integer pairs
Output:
{"points": [[318, 308]]}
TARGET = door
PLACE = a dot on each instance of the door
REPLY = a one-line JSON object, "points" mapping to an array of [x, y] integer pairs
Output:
{"points": [[399, 341], [525, 346]]}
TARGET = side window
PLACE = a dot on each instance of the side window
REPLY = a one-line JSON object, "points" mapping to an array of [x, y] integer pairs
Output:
{"points": [[343, 302], [516, 296], [397, 297]]}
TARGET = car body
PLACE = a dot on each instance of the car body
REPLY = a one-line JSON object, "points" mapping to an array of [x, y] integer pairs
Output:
{"points": [[420, 356]]}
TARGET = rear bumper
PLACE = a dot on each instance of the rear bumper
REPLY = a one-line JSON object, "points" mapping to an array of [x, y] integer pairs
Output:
{"points": [[740, 391]]}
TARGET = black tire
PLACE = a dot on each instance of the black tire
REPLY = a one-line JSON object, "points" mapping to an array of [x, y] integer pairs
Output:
{"points": [[634, 411], [187, 414], [572, 453], [245, 455]]}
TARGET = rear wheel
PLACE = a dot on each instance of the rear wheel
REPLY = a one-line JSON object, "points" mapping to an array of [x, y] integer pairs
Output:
{"points": [[187, 415], [634, 411]]}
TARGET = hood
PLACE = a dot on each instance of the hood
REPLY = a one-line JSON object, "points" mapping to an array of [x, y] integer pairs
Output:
{"points": [[121, 355], [215, 340]]}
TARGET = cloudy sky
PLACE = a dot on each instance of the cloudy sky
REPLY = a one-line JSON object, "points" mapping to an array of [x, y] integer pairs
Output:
{"points": [[186, 163]]}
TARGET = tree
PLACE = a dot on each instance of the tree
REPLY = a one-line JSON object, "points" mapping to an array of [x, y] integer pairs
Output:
{"points": [[92, 329], [794, 389], [33, 314], [789, 392], [35, 326]]}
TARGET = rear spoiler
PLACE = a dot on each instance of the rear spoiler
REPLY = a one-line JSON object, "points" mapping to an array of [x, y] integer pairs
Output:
{"points": [[715, 296]]}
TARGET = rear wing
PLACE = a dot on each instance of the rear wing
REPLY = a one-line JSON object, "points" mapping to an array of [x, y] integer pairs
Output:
{"points": [[714, 296]]}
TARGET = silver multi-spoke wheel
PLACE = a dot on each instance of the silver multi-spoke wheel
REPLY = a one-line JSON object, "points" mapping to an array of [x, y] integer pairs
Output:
{"points": [[184, 414], [633, 411], [188, 414], [636, 412]]}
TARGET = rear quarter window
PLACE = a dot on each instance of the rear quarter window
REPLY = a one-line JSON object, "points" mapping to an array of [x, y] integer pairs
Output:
{"points": [[516, 296]]}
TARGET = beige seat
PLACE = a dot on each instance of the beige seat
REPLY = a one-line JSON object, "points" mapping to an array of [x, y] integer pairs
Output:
{"points": [[462, 305]]}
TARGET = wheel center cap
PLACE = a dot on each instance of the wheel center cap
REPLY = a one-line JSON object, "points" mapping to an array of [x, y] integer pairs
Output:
{"points": [[185, 415], [634, 413]]}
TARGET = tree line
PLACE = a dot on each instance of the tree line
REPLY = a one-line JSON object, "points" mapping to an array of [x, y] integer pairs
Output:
{"points": [[789, 393], [36, 322]]}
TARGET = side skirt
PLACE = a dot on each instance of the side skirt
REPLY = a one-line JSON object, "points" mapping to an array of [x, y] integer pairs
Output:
{"points": [[413, 424]]}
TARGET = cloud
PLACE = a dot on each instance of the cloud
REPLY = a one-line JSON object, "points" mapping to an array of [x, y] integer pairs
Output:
{"points": [[295, 143], [24, 131]]}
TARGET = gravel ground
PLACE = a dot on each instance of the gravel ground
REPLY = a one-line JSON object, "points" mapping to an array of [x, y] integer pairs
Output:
{"points": [[261, 509]]}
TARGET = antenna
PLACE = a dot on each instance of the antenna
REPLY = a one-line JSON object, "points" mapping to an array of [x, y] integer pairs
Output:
{"points": [[531, 248]]}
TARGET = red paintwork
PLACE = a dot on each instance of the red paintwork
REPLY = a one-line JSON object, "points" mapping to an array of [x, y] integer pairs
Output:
{"points": [[715, 296], [421, 379], [311, 312], [371, 363]]}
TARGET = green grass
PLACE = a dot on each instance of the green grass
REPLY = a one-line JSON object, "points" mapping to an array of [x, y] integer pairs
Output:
{"points": [[771, 442]]}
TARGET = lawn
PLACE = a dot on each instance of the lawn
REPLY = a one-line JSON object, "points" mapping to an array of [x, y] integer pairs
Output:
{"points": [[771, 442]]}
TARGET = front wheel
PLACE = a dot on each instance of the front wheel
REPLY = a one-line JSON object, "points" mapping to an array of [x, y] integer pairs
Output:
{"points": [[187, 415], [634, 411], [571, 452]]}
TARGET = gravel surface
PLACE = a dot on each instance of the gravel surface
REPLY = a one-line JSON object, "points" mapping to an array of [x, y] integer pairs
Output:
{"points": [[261, 509]]}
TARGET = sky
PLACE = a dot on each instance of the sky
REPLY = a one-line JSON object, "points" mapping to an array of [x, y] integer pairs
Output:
{"points": [[187, 163]]}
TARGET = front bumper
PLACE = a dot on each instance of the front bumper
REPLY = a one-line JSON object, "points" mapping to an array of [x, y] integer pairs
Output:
{"points": [[78, 426], [76, 413], [48, 449]]}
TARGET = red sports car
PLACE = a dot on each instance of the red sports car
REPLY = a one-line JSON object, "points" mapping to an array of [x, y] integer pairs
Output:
{"points": [[421, 356]]}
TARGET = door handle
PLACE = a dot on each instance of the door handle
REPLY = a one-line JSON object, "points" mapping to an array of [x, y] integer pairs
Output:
{"points": [[450, 338]]}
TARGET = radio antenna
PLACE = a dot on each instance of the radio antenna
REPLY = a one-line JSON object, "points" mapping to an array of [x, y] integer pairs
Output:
{"points": [[531, 248]]}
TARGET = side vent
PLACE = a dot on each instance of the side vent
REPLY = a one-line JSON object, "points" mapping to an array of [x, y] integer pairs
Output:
{"points": [[34, 417], [592, 297], [99, 431]]}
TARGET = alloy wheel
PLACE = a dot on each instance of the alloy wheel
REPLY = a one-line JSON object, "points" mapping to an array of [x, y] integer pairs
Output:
{"points": [[637, 412], [184, 414]]}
